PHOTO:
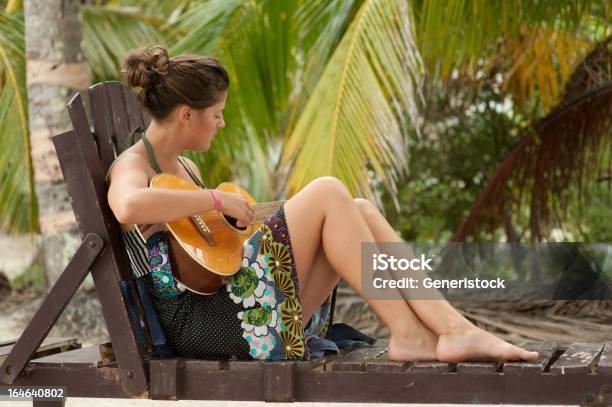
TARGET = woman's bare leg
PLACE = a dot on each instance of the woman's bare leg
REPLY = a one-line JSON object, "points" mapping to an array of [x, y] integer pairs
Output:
{"points": [[322, 278], [458, 338], [316, 272], [324, 215]]}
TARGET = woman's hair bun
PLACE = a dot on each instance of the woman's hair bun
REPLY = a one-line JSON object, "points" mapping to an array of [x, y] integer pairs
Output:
{"points": [[145, 66], [163, 83]]}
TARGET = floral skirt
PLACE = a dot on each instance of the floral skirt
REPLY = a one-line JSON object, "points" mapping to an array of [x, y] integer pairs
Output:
{"points": [[257, 315]]}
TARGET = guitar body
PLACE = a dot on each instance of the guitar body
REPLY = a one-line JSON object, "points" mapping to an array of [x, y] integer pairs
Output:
{"points": [[203, 261]]}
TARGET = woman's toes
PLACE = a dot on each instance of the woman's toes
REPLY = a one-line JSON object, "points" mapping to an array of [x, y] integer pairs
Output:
{"points": [[528, 355]]}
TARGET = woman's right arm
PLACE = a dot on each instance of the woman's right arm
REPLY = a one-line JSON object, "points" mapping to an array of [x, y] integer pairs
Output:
{"points": [[133, 202]]}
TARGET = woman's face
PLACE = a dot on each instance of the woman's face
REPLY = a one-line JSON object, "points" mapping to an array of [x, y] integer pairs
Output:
{"points": [[204, 125]]}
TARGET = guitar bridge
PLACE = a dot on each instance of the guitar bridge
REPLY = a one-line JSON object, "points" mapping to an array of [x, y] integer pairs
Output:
{"points": [[201, 226]]}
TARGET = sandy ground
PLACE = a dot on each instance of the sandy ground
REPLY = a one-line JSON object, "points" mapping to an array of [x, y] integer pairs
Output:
{"points": [[17, 254]]}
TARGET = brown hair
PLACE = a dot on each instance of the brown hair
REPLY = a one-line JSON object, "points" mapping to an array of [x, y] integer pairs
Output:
{"points": [[165, 82]]}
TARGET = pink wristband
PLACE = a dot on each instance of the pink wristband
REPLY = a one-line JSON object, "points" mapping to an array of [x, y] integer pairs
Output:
{"points": [[216, 197]]}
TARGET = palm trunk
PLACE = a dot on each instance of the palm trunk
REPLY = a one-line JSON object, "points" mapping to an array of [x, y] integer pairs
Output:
{"points": [[55, 70]]}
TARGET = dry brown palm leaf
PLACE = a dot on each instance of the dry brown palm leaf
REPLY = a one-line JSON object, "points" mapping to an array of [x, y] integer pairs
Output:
{"points": [[567, 146]]}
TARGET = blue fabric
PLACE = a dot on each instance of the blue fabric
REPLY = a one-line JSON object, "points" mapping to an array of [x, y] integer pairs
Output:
{"points": [[347, 337], [318, 347], [340, 336], [158, 337]]}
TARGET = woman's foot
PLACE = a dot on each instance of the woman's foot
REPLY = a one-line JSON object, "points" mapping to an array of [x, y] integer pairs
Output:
{"points": [[474, 344], [413, 347]]}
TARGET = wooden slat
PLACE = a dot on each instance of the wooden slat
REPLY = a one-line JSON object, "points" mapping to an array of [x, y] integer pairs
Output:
{"points": [[134, 113], [383, 364], [208, 365], [604, 365], [279, 382], [88, 191], [7, 342], [545, 349], [318, 363], [89, 356], [102, 124], [164, 379], [256, 365], [48, 346], [579, 358], [357, 359], [76, 110], [478, 367], [119, 118], [432, 367]]}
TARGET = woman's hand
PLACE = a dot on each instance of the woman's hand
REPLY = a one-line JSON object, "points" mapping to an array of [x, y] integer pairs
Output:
{"points": [[236, 206]]}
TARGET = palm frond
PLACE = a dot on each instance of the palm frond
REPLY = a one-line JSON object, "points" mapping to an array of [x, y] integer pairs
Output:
{"points": [[14, 6], [568, 146], [168, 10], [322, 24], [357, 113], [204, 24], [462, 31], [258, 45], [18, 205], [542, 59], [109, 32], [537, 42]]}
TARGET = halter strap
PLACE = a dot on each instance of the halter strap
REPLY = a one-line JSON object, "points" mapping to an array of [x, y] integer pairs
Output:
{"points": [[151, 154], [191, 173], [153, 159]]}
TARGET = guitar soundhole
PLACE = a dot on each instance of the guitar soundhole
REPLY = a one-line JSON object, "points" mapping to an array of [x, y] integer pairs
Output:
{"points": [[233, 221]]}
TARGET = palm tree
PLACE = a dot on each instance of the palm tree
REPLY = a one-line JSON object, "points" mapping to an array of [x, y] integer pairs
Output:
{"points": [[568, 146], [55, 69]]}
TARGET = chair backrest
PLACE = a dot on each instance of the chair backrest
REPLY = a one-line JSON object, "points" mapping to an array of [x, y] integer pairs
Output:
{"points": [[115, 113], [85, 156]]}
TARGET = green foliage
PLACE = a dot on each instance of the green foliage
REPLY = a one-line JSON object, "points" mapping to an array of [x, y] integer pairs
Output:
{"points": [[590, 223], [18, 208], [467, 131], [370, 92], [32, 279], [110, 32], [536, 43]]}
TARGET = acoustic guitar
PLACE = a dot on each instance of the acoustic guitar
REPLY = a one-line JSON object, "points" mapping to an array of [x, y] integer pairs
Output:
{"points": [[206, 249]]}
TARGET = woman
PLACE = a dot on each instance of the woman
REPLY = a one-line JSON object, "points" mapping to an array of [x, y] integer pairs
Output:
{"points": [[185, 97]]}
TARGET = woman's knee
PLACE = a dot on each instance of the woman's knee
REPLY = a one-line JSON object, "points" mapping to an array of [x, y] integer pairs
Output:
{"points": [[331, 186], [366, 207]]}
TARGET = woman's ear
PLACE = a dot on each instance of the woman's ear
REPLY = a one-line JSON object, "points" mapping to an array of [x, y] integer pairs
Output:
{"points": [[185, 114]]}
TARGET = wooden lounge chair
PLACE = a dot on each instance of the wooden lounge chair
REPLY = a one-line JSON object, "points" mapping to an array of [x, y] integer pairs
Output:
{"points": [[125, 368]]}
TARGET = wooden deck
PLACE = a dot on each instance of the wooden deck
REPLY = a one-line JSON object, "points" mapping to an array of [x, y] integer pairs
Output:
{"points": [[579, 374]]}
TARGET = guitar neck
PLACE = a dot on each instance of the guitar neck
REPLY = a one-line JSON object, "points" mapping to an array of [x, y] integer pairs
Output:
{"points": [[265, 209], [262, 211]]}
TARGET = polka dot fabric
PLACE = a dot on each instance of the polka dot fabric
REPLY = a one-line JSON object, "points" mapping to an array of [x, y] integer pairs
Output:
{"points": [[257, 315]]}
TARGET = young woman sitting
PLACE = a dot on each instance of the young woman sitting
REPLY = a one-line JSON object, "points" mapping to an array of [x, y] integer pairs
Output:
{"points": [[293, 261]]}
